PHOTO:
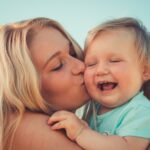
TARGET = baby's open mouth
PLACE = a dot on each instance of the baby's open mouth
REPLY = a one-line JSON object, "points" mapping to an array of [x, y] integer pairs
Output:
{"points": [[104, 86]]}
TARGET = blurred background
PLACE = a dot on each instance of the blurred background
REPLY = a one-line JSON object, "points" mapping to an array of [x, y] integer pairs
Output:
{"points": [[77, 16]]}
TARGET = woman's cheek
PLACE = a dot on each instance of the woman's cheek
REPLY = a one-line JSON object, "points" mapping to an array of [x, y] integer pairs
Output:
{"points": [[48, 83]]}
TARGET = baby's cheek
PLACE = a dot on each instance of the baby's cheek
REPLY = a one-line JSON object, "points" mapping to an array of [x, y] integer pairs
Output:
{"points": [[88, 78]]}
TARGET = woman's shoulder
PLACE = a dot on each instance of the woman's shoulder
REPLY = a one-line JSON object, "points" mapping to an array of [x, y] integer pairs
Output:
{"points": [[34, 133]]}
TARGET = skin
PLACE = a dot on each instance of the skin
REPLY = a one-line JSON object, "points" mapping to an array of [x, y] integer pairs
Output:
{"points": [[62, 85], [56, 63], [77, 130], [111, 57]]}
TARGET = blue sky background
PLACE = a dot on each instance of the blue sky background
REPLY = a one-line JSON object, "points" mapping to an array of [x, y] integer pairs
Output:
{"points": [[77, 16]]}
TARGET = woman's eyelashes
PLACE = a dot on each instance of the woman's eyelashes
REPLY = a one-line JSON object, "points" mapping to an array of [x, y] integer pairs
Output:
{"points": [[58, 64], [90, 64], [58, 67]]}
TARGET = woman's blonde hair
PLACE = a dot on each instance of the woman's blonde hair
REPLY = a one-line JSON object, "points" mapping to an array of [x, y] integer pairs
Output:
{"points": [[19, 84], [142, 43]]}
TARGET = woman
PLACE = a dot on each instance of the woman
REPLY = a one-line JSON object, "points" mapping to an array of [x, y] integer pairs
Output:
{"points": [[41, 72]]}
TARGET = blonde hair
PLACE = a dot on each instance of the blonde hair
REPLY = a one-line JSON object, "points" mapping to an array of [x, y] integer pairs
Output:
{"points": [[19, 84], [142, 43]]}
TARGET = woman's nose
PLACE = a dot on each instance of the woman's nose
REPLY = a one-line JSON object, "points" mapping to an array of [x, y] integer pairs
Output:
{"points": [[78, 67]]}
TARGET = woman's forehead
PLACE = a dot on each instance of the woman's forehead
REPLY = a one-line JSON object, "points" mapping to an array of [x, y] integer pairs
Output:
{"points": [[46, 43]]}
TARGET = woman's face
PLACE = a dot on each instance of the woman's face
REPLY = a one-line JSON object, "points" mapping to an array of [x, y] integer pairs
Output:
{"points": [[61, 74]]}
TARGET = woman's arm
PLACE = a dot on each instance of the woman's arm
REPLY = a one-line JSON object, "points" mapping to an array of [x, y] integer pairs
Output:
{"points": [[33, 133]]}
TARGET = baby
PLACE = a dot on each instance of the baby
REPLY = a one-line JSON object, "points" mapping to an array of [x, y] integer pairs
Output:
{"points": [[117, 59]]}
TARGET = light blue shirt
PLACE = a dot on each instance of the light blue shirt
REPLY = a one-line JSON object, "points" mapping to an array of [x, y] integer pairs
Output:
{"points": [[130, 119]]}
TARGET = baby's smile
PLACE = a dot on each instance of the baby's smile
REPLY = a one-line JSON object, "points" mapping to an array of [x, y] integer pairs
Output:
{"points": [[106, 85]]}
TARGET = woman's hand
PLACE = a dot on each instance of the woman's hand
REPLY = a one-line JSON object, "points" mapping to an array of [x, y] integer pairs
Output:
{"points": [[68, 121]]}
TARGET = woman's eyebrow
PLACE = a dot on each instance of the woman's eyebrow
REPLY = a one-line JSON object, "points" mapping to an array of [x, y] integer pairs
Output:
{"points": [[51, 57]]}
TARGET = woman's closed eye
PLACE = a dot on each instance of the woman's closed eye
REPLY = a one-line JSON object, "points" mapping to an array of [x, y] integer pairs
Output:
{"points": [[90, 64], [58, 67]]}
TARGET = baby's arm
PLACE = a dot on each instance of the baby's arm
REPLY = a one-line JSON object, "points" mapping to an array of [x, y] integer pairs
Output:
{"points": [[88, 139], [68, 121]]}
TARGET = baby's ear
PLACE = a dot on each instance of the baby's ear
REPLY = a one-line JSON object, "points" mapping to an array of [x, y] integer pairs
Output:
{"points": [[146, 72]]}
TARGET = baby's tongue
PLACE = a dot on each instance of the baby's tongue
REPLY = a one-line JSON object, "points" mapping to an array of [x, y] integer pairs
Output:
{"points": [[107, 86]]}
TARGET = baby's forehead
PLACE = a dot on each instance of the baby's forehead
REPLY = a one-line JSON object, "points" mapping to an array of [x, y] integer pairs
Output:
{"points": [[117, 31], [113, 41], [120, 35]]}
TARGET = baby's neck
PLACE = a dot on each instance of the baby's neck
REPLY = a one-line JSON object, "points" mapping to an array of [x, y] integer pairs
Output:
{"points": [[103, 110]]}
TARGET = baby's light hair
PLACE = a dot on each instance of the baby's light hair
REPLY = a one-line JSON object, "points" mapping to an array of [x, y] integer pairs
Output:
{"points": [[142, 37]]}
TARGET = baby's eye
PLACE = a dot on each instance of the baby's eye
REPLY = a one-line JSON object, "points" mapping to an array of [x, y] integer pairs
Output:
{"points": [[57, 67], [115, 60]]}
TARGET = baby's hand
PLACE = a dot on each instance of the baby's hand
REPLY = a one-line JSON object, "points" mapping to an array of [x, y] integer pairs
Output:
{"points": [[68, 121]]}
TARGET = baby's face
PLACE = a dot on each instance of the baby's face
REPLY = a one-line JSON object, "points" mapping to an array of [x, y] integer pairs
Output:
{"points": [[113, 73]]}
